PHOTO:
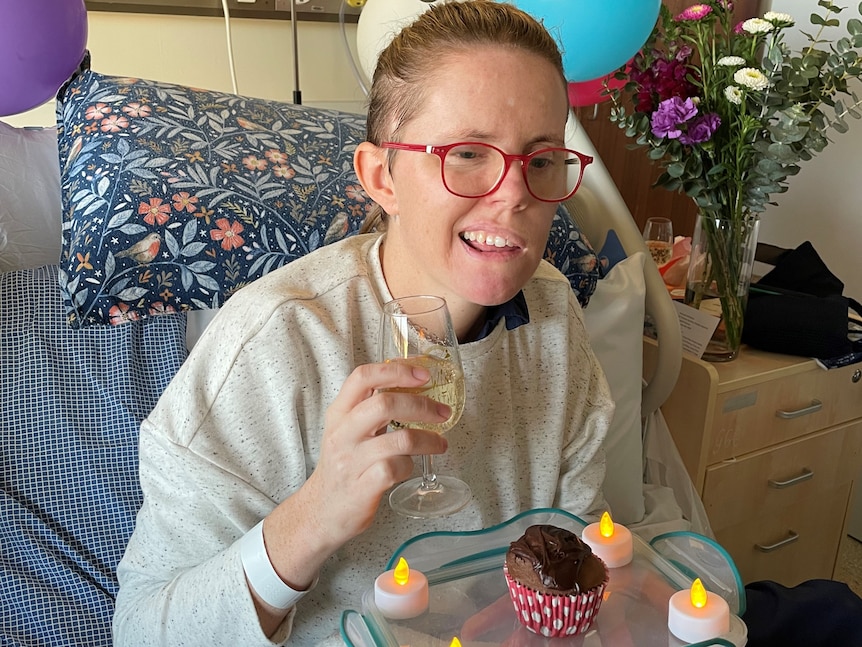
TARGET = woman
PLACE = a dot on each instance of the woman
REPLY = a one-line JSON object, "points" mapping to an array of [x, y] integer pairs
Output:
{"points": [[278, 414]]}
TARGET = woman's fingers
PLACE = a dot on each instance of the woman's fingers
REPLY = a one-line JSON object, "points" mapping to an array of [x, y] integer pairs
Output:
{"points": [[383, 460], [365, 400], [366, 379]]}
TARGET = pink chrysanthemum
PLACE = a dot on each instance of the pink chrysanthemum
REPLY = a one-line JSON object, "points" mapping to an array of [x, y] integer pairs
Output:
{"points": [[695, 12]]}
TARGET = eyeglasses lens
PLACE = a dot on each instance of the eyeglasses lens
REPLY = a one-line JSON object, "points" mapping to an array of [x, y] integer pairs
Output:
{"points": [[473, 170]]}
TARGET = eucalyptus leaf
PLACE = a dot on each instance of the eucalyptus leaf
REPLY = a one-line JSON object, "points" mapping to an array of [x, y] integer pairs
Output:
{"points": [[775, 56]]}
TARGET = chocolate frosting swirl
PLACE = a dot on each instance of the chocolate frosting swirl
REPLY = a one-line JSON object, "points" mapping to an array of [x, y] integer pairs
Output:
{"points": [[557, 556]]}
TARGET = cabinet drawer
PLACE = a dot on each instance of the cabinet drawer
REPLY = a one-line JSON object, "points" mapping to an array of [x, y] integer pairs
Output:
{"points": [[765, 481], [771, 412], [792, 545]]}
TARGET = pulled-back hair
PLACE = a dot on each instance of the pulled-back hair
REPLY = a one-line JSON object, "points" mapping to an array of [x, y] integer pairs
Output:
{"points": [[398, 88], [403, 68]]}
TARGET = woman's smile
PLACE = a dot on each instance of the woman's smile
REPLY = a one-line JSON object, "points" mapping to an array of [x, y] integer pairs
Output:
{"points": [[483, 246], [484, 241]]}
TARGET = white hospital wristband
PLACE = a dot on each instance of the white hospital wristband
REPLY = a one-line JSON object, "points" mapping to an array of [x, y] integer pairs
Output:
{"points": [[262, 576]]}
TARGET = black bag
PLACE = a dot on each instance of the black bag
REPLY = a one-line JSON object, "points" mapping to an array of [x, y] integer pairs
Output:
{"points": [[798, 308]]}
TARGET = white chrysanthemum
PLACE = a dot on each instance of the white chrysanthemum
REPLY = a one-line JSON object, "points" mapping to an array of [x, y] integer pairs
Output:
{"points": [[783, 19], [757, 26], [731, 61], [751, 78], [733, 94]]}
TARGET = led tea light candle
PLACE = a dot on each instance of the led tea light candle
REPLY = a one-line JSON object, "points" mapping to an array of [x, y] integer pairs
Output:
{"points": [[401, 593], [696, 614], [455, 642], [611, 542]]}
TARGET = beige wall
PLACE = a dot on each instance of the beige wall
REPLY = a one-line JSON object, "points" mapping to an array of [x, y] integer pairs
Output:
{"points": [[193, 51], [823, 202]]}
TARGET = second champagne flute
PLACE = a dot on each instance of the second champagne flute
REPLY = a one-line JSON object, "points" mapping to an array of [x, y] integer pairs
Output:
{"points": [[418, 330], [658, 235]]}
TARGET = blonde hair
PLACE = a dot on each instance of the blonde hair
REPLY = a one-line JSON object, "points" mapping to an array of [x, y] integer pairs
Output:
{"points": [[403, 69]]}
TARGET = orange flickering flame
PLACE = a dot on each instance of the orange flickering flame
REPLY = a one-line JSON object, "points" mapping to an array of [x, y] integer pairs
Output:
{"points": [[606, 526], [698, 594], [455, 642], [402, 572]]}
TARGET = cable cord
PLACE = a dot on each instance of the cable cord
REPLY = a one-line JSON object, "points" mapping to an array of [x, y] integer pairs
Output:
{"points": [[353, 65], [226, 12]]}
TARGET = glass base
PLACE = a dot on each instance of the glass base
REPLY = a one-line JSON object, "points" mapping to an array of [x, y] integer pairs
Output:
{"points": [[719, 348], [412, 500], [719, 353]]}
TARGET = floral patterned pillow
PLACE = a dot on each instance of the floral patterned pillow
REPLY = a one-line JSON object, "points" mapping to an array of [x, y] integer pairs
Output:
{"points": [[570, 251], [175, 197]]}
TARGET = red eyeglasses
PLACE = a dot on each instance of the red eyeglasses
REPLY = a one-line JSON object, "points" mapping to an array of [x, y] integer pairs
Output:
{"points": [[476, 169]]}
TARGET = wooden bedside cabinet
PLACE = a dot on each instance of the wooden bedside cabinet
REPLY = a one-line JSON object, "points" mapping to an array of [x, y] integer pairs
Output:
{"points": [[772, 444]]}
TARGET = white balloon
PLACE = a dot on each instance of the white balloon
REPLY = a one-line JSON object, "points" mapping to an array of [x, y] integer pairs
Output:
{"points": [[378, 23]]}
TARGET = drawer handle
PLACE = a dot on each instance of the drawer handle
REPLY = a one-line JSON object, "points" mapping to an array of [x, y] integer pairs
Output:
{"points": [[793, 536], [814, 407], [780, 485]]}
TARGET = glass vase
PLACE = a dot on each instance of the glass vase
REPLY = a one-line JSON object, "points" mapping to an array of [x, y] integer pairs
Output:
{"points": [[719, 275]]}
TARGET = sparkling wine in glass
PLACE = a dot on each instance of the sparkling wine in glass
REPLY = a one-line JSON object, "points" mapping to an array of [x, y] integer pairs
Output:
{"points": [[418, 330], [658, 236]]}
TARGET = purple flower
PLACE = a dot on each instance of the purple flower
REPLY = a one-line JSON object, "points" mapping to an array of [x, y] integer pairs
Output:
{"points": [[684, 53], [670, 115], [663, 79], [700, 129]]}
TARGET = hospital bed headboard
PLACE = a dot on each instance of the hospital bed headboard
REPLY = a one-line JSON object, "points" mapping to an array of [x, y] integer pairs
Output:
{"points": [[598, 207]]}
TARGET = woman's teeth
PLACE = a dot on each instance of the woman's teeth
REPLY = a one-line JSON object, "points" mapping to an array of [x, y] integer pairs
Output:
{"points": [[483, 239]]}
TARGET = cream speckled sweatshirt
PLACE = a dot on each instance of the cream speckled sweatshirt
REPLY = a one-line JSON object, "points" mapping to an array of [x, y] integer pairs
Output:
{"points": [[239, 429]]}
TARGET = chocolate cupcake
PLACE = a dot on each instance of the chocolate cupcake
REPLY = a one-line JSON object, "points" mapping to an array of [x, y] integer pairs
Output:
{"points": [[555, 581]]}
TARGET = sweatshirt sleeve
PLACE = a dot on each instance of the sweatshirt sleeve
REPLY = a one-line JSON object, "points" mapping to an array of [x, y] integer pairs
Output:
{"points": [[168, 595]]}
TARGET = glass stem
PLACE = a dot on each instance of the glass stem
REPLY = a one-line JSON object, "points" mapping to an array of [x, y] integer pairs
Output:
{"points": [[429, 478]]}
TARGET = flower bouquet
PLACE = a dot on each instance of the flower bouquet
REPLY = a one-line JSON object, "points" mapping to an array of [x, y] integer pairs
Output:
{"points": [[729, 112]]}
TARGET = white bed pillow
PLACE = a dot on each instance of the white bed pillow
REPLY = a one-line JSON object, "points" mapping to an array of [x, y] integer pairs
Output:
{"points": [[30, 205], [614, 319], [197, 322]]}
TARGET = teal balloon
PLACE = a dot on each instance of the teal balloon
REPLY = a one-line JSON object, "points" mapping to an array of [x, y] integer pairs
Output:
{"points": [[596, 36]]}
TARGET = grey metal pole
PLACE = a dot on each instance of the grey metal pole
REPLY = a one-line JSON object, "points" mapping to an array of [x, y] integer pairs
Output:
{"points": [[297, 93]]}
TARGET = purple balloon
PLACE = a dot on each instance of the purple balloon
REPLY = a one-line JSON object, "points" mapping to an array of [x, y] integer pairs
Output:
{"points": [[41, 44]]}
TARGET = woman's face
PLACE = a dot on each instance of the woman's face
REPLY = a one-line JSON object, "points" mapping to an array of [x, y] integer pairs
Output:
{"points": [[514, 100]]}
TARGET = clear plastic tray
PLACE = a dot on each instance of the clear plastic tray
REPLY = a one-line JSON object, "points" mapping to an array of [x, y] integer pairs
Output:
{"points": [[465, 574]]}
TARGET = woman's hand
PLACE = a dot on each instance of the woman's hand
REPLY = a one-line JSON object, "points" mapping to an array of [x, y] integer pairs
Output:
{"points": [[358, 462]]}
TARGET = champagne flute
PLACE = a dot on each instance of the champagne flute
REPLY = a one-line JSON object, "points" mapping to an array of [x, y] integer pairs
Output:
{"points": [[418, 330], [658, 235]]}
